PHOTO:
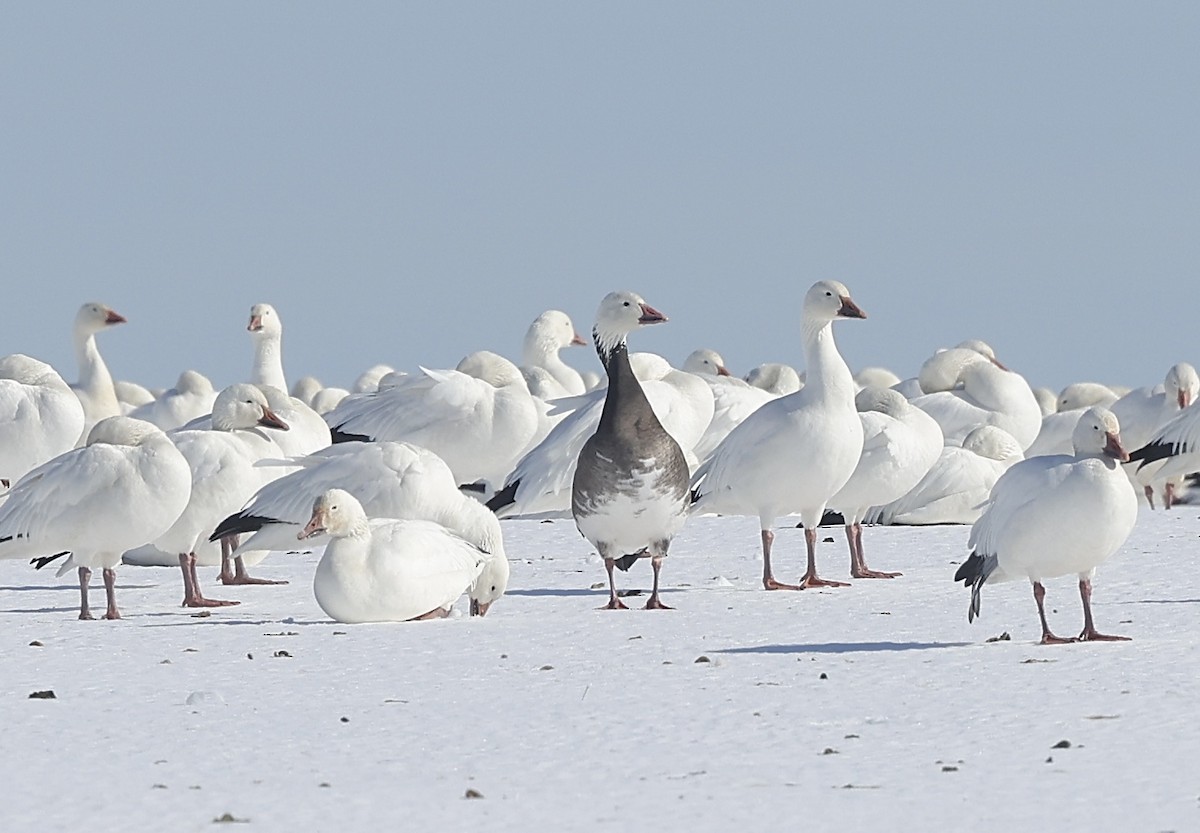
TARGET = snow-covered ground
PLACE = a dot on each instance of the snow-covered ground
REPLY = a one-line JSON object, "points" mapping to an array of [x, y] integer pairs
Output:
{"points": [[873, 707]]}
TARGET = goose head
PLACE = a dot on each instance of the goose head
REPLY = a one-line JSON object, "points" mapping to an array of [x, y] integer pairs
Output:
{"points": [[244, 406], [775, 377], [490, 585], [883, 400], [981, 347], [550, 332], [1098, 433], [993, 443], [94, 317], [264, 321], [1182, 384], [191, 381], [123, 430], [827, 300], [1084, 395], [29, 371], [492, 368], [368, 380], [706, 363], [621, 313], [336, 513]]}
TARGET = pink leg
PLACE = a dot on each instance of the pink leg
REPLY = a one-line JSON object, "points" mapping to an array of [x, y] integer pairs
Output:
{"points": [[769, 582], [227, 561], [1169, 495], [613, 602], [1149, 492], [810, 576], [1090, 634], [1039, 593], [654, 602], [436, 613], [110, 592], [85, 578], [192, 597], [240, 576], [858, 564]]}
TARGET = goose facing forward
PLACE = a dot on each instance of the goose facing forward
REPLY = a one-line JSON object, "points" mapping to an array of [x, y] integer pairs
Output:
{"points": [[794, 453], [629, 494], [386, 570], [1056, 515]]}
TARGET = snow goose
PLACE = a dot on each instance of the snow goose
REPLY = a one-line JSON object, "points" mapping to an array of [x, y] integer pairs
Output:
{"points": [[540, 483], [479, 418], [1046, 401], [629, 494], [549, 333], [794, 453], [40, 416], [1145, 411], [223, 476], [192, 397], [368, 381], [326, 399], [734, 399], [775, 377], [386, 570], [95, 387], [1058, 427], [1056, 515], [989, 395], [266, 333], [390, 480], [957, 485], [305, 388], [875, 377], [1176, 445], [132, 396], [121, 490], [940, 372], [900, 445]]}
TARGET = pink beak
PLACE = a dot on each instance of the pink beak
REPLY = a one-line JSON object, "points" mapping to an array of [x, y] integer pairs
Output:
{"points": [[722, 370], [270, 419], [850, 309], [1185, 399], [578, 341], [1114, 449], [255, 323], [316, 526], [114, 318], [650, 315]]}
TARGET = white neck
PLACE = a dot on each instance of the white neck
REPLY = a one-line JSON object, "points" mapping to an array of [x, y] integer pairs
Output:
{"points": [[268, 361], [93, 372], [827, 374], [543, 354]]}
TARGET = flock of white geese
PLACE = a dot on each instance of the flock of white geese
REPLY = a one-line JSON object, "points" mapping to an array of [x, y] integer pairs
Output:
{"points": [[404, 477]]}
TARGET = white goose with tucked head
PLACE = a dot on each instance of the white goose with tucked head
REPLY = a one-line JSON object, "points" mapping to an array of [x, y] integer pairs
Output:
{"points": [[386, 570], [1053, 516], [1144, 413], [794, 453], [986, 394], [121, 490], [266, 333], [192, 397], [95, 387], [1059, 426], [40, 416]]}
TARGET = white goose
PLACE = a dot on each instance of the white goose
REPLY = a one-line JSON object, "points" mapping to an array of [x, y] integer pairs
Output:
{"points": [[1145, 411], [121, 490], [1053, 516], [192, 397], [131, 395], [776, 378], [794, 453], [957, 485], [95, 387], [549, 333], [386, 570], [390, 480], [733, 399], [989, 395], [40, 416], [479, 418], [266, 334], [1058, 427], [223, 476], [900, 445]]}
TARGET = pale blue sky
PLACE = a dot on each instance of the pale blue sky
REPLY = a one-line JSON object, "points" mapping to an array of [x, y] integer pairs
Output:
{"points": [[410, 182]]}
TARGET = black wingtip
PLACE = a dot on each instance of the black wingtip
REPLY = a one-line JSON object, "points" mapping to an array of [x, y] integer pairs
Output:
{"points": [[473, 488], [337, 435], [39, 563], [626, 561], [504, 498], [1152, 452], [696, 495], [969, 570], [240, 524]]}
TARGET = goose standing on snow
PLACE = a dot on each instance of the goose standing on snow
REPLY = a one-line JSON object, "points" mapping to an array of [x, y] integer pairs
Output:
{"points": [[629, 495], [121, 490], [386, 570], [549, 333], [794, 453], [900, 445], [1056, 515], [223, 475], [1144, 412], [390, 480], [95, 387], [40, 416]]}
